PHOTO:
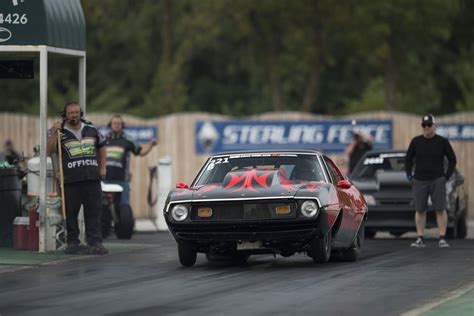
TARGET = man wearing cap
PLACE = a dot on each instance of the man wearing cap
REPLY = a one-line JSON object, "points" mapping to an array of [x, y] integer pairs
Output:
{"points": [[426, 154]]}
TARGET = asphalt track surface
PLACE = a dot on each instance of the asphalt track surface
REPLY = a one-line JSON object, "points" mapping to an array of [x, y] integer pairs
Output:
{"points": [[389, 279]]}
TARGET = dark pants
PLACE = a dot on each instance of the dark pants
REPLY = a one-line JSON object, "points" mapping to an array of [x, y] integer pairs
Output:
{"points": [[89, 194]]}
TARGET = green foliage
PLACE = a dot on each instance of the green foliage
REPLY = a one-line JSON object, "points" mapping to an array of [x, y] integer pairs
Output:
{"points": [[463, 74], [242, 57], [372, 99]]}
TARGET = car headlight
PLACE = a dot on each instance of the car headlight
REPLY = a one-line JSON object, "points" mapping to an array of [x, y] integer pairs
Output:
{"points": [[179, 212], [309, 209], [369, 199]]}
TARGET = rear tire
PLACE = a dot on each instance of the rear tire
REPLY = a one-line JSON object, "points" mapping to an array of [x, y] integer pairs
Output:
{"points": [[106, 221], [126, 222], [187, 254], [354, 251], [321, 248], [462, 227]]}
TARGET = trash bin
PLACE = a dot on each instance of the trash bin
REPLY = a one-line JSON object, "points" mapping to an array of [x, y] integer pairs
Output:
{"points": [[10, 204], [33, 228], [20, 233]]}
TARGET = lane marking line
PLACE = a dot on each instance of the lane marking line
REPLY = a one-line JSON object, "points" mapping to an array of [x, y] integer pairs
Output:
{"points": [[451, 296]]}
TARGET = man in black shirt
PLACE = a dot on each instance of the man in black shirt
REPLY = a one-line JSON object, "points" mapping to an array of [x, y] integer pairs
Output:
{"points": [[361, 143], [428, 152], [118, 147], [83, 161]]}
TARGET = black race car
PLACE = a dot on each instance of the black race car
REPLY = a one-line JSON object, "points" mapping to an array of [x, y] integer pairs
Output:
{"points": [[381, 177], [273, 202]]}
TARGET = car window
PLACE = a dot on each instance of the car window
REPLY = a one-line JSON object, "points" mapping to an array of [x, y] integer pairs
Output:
{"points": [[383, 162], [334, 173], [340, 174], [293, 167]]}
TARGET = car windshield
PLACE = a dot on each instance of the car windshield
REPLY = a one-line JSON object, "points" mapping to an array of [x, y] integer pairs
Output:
{"points": [[384, 162], [293, 167]]}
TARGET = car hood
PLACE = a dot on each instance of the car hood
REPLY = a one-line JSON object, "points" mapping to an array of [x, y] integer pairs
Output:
{"points": [[250, 184], [383, 181]]}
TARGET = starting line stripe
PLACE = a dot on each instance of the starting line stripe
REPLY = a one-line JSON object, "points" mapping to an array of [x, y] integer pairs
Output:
{"points": [[452, 295]]}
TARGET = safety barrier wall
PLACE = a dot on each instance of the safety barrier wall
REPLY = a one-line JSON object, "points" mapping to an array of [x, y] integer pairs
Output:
{"points": [[177, 140]]}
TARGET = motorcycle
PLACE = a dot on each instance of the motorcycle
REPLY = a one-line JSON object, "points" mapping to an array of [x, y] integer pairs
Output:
{"points": [[120, 216]]}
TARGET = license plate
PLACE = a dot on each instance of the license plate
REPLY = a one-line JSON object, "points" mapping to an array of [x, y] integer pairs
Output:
{"points": [[245, 245]]}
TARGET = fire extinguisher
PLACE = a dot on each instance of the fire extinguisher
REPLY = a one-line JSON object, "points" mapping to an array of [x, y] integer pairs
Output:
{"points": [[33, 229]]}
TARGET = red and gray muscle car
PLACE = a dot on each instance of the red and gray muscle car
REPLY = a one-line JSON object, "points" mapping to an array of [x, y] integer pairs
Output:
{"points": [[272, 202]]}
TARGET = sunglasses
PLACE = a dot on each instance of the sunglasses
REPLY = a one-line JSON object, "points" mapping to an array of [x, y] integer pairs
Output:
{"points": [[426, 125]]}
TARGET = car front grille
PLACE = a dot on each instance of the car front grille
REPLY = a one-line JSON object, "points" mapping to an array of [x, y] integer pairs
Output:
{"points": [[243, 211]]}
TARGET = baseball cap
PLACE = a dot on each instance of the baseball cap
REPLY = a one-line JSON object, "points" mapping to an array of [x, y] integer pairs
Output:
{"points": [[428, 119]]}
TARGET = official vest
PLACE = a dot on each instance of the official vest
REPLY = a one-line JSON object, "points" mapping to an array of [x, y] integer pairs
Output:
{"points": [[118, 148], [80, 157]]}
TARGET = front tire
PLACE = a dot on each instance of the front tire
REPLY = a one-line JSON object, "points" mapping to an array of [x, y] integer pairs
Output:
{"points": [[354, 251], [321, 248], [126, 222], [187, 254]]}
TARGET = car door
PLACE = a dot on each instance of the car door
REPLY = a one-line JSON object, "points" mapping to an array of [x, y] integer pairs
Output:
{"points": [[348, 199]]}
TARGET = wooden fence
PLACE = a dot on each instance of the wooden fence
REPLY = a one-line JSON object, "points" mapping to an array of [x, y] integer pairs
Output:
{"points": [[177, 140]]}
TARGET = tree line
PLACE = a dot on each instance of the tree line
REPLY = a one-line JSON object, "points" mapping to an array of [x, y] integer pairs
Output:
{"points": [[243, 57]]}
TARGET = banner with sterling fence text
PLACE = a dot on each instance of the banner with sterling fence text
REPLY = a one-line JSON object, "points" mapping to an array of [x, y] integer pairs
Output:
{"points": [[329, 136]]}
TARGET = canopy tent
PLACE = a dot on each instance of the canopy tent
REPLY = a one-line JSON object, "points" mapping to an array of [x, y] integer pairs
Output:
{"points": [[38, 28]]}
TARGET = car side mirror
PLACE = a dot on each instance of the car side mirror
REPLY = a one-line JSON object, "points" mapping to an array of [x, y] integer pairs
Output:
{"points": [[344, 184], [181, 185]]}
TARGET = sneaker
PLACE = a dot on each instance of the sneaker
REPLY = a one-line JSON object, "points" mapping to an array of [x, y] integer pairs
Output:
{"points": [[76, 249], [419, 243], [97, 249], [442, 243]]}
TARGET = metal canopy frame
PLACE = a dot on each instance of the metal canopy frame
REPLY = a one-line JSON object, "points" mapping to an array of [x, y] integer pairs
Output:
{"points": [[43, 52]]}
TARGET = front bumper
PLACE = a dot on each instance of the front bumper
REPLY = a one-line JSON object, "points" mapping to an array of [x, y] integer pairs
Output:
{"points": [[247, 220], [251, 231]]}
